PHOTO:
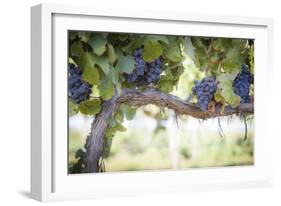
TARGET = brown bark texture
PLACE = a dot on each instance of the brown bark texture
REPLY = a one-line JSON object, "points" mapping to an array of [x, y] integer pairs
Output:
{"points": [[138, 98]]}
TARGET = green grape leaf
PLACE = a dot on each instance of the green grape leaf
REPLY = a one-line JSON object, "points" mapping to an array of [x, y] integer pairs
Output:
{"points": [[84, 36], [76, 168], [168, 75], [233, 60], [166, 85], [157, 38], [90, 107], [73, 108], [112, 57], [173, 53], [251, 59], [77, 53], [196, 42], [114, 76], [91, 74], [107, 147], [95, 91], [106, 88], [240, 44], [72, 35], [80, 154], [103, 63], [215, 57], [229, 95], [111, 121], [152, 50], [226, 90], [119, 116], [221, 44], [111, 130], [136, 42], [189, 49], [98, 43], [201, 58], [127, 111], [126, 64], [120, 128], [225, 77], [123, 37], [218, 97], [89, 58]]}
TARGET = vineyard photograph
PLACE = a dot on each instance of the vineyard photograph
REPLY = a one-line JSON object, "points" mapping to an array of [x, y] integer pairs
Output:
{"points": [[145, 102]]}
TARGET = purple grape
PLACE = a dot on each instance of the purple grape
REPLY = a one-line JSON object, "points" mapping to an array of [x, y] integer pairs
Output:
{"points": [[139, 67], [242, 82], [144, 72], [204, 91], [78, 89]]}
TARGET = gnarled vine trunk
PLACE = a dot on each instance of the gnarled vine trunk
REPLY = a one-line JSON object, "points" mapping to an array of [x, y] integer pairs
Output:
{"points": [[135, 97], [95, 141]]}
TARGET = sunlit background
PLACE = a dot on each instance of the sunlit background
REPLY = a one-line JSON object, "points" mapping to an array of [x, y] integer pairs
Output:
{"points": [[161, 140]]}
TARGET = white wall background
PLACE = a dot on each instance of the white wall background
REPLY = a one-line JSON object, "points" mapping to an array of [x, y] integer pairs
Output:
{"points": [[15, 95]]}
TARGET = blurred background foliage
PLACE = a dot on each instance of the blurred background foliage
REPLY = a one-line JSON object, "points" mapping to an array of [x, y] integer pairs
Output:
{"points": [[157, 139]]}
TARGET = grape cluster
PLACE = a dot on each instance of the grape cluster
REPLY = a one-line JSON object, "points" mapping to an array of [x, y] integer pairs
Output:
{"points": [[78, 89], [139, 67], [144, 72], [204, 91], [242, 82], [154, 70]]}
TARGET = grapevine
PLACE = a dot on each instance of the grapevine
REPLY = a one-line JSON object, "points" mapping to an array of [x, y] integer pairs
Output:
{"points": [[122, 72]]}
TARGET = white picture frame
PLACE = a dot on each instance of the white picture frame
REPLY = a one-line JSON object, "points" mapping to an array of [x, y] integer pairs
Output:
{"points": [[49, 178]]}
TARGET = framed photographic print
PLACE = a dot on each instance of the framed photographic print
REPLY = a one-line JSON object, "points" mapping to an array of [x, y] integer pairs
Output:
{"points": [[138, 102]]}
